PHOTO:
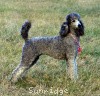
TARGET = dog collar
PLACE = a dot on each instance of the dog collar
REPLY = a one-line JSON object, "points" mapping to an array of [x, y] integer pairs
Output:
{"points": [[79, 49]]}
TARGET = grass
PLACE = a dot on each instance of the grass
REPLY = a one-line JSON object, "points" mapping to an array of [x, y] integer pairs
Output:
{"points": [[49, 74]]}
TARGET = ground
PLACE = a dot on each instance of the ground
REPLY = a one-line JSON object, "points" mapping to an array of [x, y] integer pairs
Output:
{"points": [[48, 76]]}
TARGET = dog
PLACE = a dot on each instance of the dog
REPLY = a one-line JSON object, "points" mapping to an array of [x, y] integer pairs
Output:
{"points": [[65, 46]]}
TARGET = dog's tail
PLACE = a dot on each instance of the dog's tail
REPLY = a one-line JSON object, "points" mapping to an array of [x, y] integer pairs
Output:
{"points": [[25, 29]]}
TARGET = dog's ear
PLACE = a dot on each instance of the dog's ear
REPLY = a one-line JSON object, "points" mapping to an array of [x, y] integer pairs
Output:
{"points": [[81, 29], [64, 29]]}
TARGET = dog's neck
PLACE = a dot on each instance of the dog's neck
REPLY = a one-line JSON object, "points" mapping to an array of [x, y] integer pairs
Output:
{"points": [[77, 41], [75, 38], [73, 35]]}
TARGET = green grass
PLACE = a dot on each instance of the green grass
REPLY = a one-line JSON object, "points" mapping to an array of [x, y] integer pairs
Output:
{"points": [[49, 74]]}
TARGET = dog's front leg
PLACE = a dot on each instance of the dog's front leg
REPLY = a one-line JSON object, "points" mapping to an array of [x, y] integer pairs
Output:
{"points": [[72, 68]]}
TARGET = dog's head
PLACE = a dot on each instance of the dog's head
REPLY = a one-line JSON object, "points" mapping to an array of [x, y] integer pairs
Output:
{"points": [[73, 22]]}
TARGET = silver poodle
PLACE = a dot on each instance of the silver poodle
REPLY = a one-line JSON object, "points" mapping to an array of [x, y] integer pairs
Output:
{"points": [[65, 46]]}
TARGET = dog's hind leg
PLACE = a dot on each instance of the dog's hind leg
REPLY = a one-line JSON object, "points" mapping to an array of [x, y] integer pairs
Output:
{"points": [[33, 62], [29, 58], [16, 74]]}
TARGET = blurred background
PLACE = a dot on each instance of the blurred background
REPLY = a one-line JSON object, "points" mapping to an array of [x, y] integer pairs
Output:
{"points": [[46, 17]]}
